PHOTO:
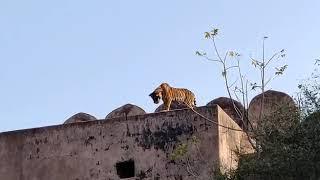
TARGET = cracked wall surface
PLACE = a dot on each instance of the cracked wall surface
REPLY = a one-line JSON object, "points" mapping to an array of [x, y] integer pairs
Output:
{"points": [[91, 150]]}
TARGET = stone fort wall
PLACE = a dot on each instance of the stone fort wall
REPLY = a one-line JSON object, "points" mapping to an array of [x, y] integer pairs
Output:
{"points": [[133, 147]]}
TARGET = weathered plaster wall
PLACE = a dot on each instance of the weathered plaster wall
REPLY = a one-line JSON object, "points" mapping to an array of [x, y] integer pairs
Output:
{"points": [[229, 140], [86, 151]]}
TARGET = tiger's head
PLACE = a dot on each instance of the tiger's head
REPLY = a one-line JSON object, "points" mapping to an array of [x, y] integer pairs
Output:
{"points": [[156, 95]]}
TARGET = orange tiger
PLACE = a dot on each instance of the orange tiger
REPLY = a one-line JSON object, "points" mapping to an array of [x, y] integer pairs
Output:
{"points": [[169, 94]]}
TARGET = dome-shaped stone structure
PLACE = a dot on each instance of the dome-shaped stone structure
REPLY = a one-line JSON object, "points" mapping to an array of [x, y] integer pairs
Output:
{"points": [[273, 100], [174, 105], [126, 110], [80, 117], [227, 105]]}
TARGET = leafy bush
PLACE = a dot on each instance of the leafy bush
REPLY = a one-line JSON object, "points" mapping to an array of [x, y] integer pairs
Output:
{"points": [[289, 143]]}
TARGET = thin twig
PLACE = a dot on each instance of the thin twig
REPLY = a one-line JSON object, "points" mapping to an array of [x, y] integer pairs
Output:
{"points": [[274, 55], [216, 50], [233, 83], [272, 78], [231, 67], [209, 59]]}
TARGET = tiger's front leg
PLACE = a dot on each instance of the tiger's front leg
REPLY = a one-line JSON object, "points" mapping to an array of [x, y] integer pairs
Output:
{"points": [[167, 104]]}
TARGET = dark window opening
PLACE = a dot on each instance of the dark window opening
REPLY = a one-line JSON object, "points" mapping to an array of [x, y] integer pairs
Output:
{"points": [[125, 169]]}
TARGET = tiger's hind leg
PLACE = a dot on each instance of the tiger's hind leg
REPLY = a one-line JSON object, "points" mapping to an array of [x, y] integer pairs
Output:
{"points": [[191, 106]]}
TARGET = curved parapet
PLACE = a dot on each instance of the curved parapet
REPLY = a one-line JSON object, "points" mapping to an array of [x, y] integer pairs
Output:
{"points": [[273, 100], [126, 110], [230, 108], [80, 117]]}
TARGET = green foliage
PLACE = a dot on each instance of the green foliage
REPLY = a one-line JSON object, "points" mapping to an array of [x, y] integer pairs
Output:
{"points": [[280, 70], [290, 150], [233, 54], [289, 144], [310, 91], [195, 140], [198, 53], [211, 34], [182, 149], [179, 152], [228, 175]]}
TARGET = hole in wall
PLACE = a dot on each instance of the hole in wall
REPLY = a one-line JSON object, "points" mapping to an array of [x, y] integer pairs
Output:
{"points": [[125, 169]]}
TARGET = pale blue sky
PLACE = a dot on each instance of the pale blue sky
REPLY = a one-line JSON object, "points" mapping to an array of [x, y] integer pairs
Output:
{"points": [[61, 57]]}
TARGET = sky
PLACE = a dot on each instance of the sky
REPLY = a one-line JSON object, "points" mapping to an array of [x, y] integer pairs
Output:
{"points": [[62, 57]]}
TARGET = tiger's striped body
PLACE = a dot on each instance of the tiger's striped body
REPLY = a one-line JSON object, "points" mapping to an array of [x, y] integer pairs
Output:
{"points": [[169, 94]]}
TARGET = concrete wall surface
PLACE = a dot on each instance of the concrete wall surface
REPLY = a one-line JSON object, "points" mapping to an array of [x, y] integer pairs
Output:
{"points": [[139, 147], [230, 141]]}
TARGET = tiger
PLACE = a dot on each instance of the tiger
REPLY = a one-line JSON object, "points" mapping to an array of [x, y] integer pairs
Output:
{"points": [[169, 94]]}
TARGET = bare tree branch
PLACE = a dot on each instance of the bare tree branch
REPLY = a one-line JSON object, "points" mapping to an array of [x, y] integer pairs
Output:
{"points": [[233, 83], [231, 67], [209, 59], [278, 54]]}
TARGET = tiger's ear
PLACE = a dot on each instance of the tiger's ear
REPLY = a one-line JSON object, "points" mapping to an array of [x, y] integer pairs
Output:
{"points": [[164, 87]]}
